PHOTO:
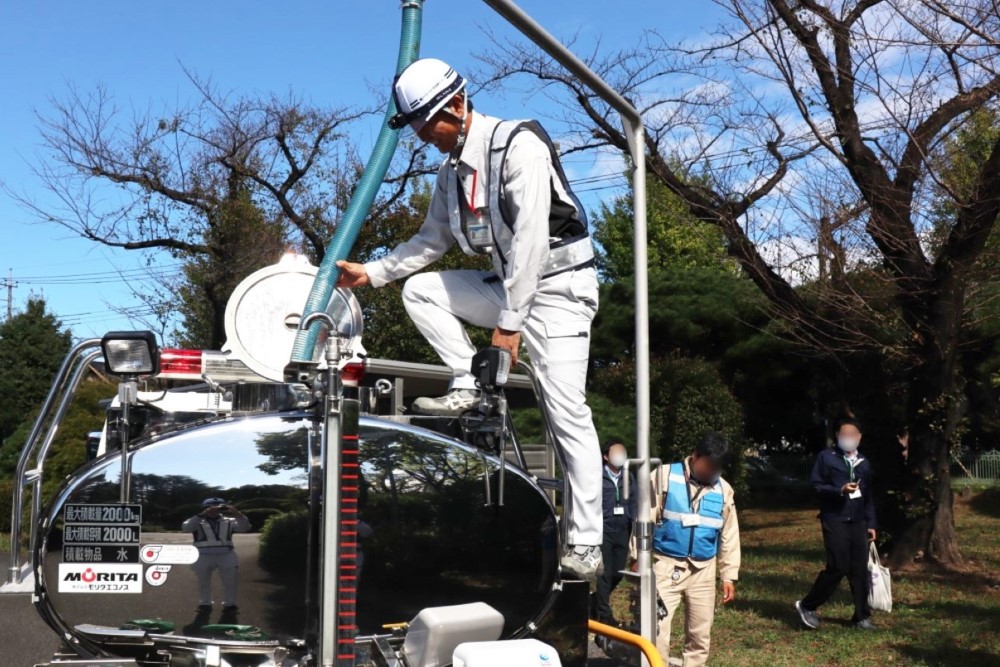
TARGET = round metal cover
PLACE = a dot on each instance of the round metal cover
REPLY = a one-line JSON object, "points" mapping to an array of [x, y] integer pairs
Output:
{"points": [[263, 314]]}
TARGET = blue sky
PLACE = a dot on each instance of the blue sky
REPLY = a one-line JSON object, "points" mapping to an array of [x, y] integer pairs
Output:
{"points": [[329, 51]]}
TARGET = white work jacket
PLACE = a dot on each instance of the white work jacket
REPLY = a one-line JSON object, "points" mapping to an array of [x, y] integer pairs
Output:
{"points": [[529, 180]]}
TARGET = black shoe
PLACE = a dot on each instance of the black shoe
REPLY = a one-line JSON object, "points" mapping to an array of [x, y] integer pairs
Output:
{"points": [[809, 618], [866, 624], [230, 608], [203, 608]]}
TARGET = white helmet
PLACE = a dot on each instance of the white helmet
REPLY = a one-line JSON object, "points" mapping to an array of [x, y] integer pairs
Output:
{"points": [[423, 89]]}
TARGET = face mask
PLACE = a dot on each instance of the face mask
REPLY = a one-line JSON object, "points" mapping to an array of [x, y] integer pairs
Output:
{"points": [[848, 445], [706, 482], [618, 460]]}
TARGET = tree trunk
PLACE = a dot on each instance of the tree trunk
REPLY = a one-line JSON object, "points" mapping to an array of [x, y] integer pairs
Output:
{"points": [[927, 532], [935, 411]]}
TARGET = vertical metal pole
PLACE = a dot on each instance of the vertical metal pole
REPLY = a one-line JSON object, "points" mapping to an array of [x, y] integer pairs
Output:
{"points": [[315, 539], [330, 544], [644, 524], [127, 396], [635, 132]]}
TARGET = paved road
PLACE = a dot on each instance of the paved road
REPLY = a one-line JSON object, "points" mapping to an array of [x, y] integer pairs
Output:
{"points": [[23, 635]]}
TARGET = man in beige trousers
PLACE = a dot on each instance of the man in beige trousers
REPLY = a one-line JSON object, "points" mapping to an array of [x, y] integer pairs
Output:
{"points": [[696, 540]]}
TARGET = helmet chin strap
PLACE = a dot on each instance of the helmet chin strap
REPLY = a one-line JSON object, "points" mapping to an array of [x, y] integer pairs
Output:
{"points": [[456, 152]]}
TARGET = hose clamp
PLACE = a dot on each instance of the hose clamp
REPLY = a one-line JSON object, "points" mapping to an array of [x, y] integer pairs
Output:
{"points": [[644, 535]]}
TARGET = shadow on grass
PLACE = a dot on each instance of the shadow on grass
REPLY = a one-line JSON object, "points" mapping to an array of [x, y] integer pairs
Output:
{"points": [[782, 500], [971, 581], [984, 613], [987, 502], [808, 556], [747, 528], [777, 602], [948, 656], [782, 611]]}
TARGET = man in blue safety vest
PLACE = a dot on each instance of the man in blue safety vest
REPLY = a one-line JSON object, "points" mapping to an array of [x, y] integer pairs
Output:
{"points": [[697, 539], [502, 193]]}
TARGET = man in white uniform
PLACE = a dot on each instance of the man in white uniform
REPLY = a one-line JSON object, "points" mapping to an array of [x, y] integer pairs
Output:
{"points": [[502, 192], [213, 531]]}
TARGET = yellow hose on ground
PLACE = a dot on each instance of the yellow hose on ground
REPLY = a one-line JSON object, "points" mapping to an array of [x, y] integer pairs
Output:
{"points": [[639, 642]]}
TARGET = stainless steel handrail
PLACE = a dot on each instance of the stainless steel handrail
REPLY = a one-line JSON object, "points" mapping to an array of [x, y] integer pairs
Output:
{"points": [[50, 436], [65, 383]]}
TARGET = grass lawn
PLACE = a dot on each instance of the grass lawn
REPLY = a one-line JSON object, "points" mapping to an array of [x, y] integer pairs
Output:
{"points": [[950, 619]]}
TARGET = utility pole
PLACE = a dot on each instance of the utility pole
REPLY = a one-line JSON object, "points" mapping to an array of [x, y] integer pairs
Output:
{"points": [[10, 294]]}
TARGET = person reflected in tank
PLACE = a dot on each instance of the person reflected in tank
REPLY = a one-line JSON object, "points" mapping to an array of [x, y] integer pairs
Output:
{"points": [[213, 529], [202, 617]]}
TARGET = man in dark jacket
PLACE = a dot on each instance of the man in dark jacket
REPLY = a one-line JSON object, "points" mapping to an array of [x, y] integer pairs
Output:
{"points": [[618, 517], [843, 480]]}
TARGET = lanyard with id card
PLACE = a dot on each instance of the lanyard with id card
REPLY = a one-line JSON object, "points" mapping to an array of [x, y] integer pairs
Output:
{"points": [[476, 223], [850, 468], [691, 519], [618, 510]]}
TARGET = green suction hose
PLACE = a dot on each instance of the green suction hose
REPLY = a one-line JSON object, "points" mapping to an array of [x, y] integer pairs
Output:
{"points": [[350, 224]]}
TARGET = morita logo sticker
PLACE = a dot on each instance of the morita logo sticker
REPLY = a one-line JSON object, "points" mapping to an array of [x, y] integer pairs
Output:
{"points": [[100, 578], [156, 575], [169, 554]]}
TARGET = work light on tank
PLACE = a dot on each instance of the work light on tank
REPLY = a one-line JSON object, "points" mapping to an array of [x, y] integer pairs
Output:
{"points": [[131, 353]]}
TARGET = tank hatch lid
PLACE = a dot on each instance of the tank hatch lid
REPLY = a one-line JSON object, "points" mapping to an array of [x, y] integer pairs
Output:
{"points": [[263, 315]]}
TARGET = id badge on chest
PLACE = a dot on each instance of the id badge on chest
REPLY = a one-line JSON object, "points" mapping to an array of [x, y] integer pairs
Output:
{"points": [[689, 520], [619, 511], [479, 230]]}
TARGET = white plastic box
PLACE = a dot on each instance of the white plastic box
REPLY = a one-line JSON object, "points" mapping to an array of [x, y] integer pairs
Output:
{"points": [[513, 653], [433, 635]]}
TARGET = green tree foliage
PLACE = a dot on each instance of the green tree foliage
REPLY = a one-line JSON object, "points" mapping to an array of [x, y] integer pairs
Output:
{"points": [[240, 240], [696, 310], [720, 318], [688, 398], [958, 164], [283, 540], [68, 451], [675, 238], [610, 420], [85, 416], [32, 346]]}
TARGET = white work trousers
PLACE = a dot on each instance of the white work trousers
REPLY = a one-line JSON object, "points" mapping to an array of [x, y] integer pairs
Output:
{"points": [[557, 334], [228, 565]]}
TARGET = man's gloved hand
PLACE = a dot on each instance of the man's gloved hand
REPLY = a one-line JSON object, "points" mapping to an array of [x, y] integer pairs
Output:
{"points": [[352, 274], [508, 340]]}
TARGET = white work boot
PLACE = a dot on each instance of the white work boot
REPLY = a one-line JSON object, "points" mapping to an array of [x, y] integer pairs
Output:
{"points": [[452, 404], [582, 562]]}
